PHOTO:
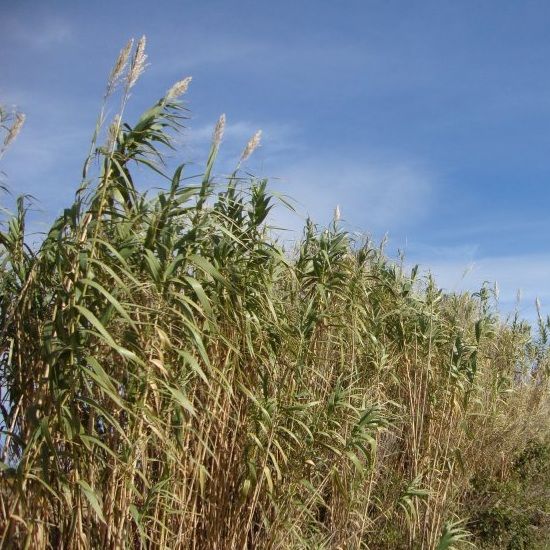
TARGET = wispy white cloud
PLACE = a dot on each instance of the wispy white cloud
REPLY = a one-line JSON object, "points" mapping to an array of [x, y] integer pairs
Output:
{"points": [[275, 133], [41, 35], [458, 269], [278, 139], [32, 163], [373, 195]]}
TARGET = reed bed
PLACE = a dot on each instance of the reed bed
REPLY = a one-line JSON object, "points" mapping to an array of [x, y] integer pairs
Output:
{"points": [[171, 377]]}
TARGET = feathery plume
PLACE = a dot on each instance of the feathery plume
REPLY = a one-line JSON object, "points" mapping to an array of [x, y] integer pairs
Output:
{"points": [[120, 65], [112, 133], [251, 145], [179, 88], [15, 129], [337, 213], [218, 131], [138, 62]]}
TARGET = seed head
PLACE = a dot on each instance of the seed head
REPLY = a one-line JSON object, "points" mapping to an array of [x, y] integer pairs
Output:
{"points": [[120, 64], [179, 88], [337, 213], [138, 62], [15, 128], [218, 131], [112, 135], [251, 145]]}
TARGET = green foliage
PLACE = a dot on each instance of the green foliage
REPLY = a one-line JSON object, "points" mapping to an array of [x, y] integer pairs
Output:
{"points": [[452, 536], [514, 512]]}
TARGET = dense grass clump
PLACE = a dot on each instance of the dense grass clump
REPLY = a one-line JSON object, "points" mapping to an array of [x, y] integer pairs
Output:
{"points": [[171, 378]]}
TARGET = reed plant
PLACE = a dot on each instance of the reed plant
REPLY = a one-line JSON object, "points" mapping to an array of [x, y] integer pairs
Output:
{"points": [[171, 377]]}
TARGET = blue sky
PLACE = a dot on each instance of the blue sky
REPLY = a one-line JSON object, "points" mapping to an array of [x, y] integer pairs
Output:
{"points": [[428, 121]]}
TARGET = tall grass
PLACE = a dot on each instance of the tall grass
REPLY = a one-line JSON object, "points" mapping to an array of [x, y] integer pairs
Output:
{"points": [[171, 378]]}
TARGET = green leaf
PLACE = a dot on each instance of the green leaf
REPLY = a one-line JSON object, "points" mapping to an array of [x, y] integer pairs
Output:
{"points": [[92, 498]]}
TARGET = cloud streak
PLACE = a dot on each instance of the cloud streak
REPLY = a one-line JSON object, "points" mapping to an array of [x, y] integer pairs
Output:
{"points": [[373, 195], [46, 33], [457, 270]]}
